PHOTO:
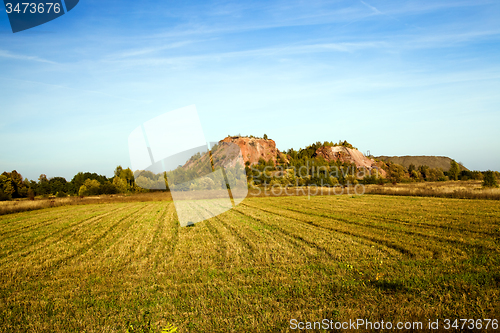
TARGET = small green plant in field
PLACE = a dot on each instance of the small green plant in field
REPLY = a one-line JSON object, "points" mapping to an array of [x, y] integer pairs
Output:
{"points": [[141, 326], [169, 329]]}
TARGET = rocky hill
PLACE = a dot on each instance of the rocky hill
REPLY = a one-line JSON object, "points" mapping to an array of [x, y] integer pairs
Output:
{"points": [[253, 149], [431, 161]]}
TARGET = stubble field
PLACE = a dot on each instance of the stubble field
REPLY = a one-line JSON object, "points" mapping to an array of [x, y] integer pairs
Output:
{"points": [[114, 267]]}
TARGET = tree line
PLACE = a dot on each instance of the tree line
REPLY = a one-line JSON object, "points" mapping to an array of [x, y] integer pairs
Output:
{"points": [[291, 168], [13, 185]]}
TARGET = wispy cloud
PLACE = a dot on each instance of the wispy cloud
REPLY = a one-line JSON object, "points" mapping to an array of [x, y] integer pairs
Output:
{"points": [[236, 19], [75, 89], [285, 50], [394, 43], [10, 55], [149, 50], [445, 39], [375, 10]]}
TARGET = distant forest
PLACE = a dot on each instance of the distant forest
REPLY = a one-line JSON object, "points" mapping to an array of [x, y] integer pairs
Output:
{"points": [[315, 171]]}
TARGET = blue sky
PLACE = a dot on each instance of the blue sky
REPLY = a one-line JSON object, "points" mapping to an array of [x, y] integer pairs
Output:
{"points": [[392, 77]]}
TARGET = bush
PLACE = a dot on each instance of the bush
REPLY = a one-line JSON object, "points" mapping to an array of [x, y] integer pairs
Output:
{"points": [[489, 179]]}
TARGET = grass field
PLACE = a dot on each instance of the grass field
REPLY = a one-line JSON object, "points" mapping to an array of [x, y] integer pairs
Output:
{"points": [[129, 266]]}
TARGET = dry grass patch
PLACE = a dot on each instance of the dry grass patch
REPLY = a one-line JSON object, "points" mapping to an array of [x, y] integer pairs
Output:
{"points": [[23, 205], [451, 189]]}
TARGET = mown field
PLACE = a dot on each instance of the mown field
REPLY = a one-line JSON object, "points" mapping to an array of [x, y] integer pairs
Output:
{"points": [[114, 267]]}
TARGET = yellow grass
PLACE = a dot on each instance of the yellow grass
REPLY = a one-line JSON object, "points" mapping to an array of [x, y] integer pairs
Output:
{"points": [[130, 267], [22, 205]]}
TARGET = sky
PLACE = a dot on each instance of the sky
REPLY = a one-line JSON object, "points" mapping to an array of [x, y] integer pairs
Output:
{"points": [[391, 77]]}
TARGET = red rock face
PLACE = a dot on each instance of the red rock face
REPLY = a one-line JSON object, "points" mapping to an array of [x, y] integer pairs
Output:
{"points": [[254, 149], [344, 154]]}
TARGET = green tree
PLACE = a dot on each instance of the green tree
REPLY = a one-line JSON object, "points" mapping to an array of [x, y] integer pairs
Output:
{"points": [[82, 191], [118, 171], [436, 174], [489, 179], [81, 177], [411, 168], [92, 187], [43, 185], [396, 172], [120, 184], [78, 180], [6, 188], [19, 189], [454, 170], [265, 136], [57, 185], [128, 175], [424, 171], [108, 188]]}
